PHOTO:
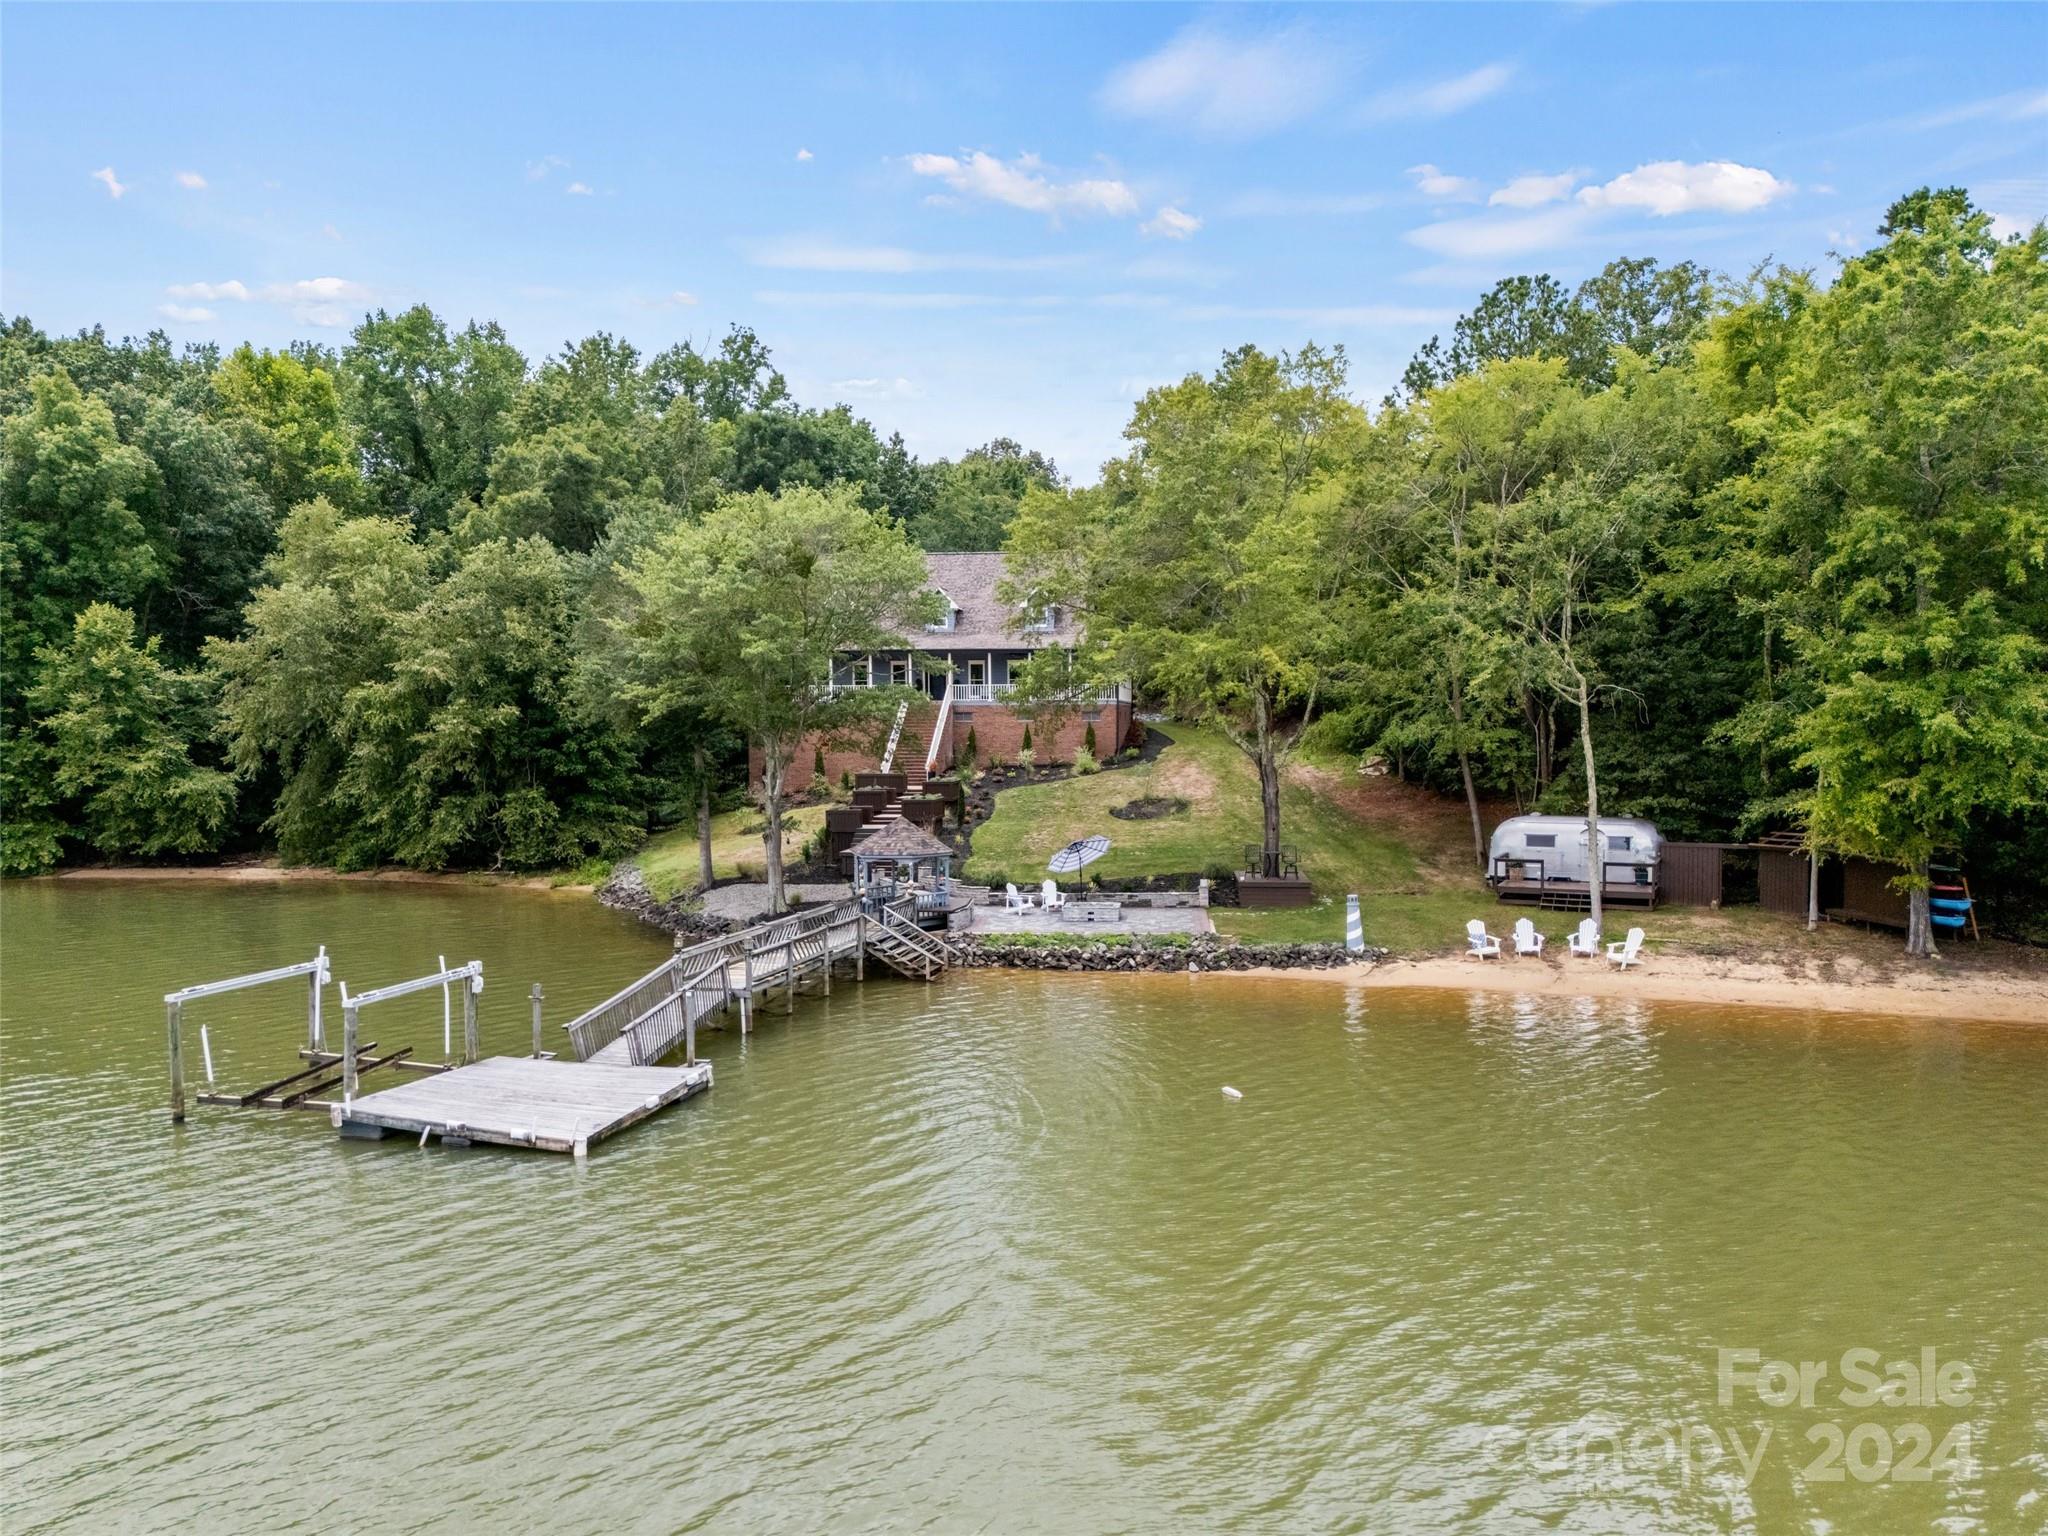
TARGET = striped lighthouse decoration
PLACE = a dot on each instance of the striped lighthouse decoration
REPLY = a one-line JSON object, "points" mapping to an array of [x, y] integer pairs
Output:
{"points": [[1354, 929]]}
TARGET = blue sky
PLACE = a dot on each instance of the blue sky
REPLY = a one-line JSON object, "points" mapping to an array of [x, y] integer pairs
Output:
{"points": [[967, 221]]}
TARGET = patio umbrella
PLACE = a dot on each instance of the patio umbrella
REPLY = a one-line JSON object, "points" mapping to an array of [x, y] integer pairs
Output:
{"points": [[1070, 858]]}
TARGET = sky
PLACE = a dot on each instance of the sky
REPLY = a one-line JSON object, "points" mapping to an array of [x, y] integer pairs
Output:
{"points": [[967, 222]]}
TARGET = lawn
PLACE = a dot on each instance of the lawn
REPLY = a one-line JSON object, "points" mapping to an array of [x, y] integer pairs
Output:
{"points": [[1405, 897], [669, 861], [1404, 851]]}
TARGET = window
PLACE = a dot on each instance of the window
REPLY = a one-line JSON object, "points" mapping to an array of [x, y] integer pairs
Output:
{"points": [[1047, 618], [861, 673], [951, 618], [1623, 843], [899, 670], [1540, 840]]}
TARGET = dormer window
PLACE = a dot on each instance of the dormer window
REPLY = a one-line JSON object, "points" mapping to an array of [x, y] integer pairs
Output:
{"points": [[1047, 618], [949, 622]]}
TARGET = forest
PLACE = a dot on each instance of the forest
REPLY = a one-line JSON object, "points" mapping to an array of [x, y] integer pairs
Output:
{"points": [[1730, 553]]}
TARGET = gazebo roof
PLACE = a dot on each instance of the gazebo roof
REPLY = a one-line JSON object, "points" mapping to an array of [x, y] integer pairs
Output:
{"points": [[901, 840]]}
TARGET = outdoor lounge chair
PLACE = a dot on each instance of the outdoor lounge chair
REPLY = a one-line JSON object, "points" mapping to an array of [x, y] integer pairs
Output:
{"points": [[1013, 902], [1481, 945], [1049, 897], [1629, 951], [1586, 941], [1527, 940]]}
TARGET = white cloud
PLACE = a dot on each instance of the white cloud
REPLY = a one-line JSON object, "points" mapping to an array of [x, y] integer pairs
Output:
{"points": [[1534, 191], [319, 301], [1169, 223], [878, 389], [1666, 187], [805, 154], [676, 299], [1263, 202], [105, 174], [801, 254], [2005, 226], [1021, 183], [330, 231], [578, 189], [191, 181], [231, 289], [1485, 238], [538, 170], [1228, 86], [1441, 98], [2012, 107], [1443, 186], [185, 314]]}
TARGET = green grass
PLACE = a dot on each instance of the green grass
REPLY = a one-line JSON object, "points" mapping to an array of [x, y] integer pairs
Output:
{"points": [[669, 861]]}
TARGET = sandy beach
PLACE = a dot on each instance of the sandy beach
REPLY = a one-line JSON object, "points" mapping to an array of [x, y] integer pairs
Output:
{"points": [[1989, 996]]}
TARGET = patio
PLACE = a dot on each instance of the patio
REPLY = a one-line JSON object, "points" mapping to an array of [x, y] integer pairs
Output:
{"points": [[993, 919]]}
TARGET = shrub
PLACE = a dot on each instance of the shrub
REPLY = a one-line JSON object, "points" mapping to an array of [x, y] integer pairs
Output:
{"points": [[846, 779], [1027, 741], [1087, 744], [973, 748], [1084, 760], [818, 762]]}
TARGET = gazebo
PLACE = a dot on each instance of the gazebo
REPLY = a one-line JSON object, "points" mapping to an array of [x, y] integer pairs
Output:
{"points": [[901, 853]]}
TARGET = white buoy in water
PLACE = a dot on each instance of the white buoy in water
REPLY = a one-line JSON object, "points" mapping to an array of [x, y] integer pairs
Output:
{"points": [[1230, 1092]]}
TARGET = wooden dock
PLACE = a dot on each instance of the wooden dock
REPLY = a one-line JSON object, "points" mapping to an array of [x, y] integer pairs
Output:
{"points": [[517, 1101]]}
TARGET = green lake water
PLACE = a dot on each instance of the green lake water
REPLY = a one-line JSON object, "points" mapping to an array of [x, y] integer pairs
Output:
{"points": [[997, 1254]]}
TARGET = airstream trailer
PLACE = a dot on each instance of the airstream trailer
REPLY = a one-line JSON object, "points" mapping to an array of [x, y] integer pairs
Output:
{"points": [[1532, 858]]}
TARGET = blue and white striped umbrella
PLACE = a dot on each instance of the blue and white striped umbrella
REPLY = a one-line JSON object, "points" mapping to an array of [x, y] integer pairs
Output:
{"points": [[1074, 855]]}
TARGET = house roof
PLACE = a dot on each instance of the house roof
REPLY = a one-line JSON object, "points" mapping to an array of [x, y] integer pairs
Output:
{"points": [[984, 620], [901, 840]]}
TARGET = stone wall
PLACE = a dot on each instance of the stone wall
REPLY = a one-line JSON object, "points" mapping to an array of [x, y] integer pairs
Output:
{"points": [[998, 737], [1141, 954]]}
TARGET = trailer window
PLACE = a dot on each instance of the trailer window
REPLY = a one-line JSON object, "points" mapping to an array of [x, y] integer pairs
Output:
{"points": [[1540, 840], [1624, 842]]}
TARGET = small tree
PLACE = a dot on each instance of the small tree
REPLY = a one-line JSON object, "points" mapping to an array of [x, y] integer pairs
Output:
{"points": [[973, 748], [745, 612], [818, 763], [1025, 746], [1088, 739]]}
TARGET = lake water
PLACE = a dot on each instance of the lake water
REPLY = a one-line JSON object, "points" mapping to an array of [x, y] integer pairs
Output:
{"points": [[997, 1254]]}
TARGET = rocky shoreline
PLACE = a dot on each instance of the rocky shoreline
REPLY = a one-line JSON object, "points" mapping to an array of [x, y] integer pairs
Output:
{"points": [[1140, 954], [627, 892]]}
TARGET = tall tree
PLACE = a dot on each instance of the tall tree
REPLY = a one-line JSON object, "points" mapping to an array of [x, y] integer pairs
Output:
{"points": [[1908, 429], [1204, 565], [293, 414], [742, 615], [117, 730]]}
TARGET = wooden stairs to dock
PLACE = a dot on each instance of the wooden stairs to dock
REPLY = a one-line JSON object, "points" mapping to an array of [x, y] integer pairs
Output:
{"points": [[650, 1019]]}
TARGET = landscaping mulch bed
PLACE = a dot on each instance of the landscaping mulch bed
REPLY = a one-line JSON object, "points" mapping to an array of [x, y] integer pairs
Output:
{"points": [[1150, 808], [1141, 954]]}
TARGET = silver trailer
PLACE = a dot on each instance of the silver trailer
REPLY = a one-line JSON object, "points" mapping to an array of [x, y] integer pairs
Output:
{"points": [[1542, 851]]}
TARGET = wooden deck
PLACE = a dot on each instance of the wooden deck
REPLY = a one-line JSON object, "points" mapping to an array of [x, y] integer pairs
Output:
{"points": [[1575, 895], [517, 1101]]}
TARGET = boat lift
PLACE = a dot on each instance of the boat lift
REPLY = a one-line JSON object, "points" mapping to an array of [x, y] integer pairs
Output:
{"points": [[470, 974], [315, 969]]}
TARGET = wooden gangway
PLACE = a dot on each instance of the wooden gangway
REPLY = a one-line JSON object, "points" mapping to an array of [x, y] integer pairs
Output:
{"points": [[648, 1020]]}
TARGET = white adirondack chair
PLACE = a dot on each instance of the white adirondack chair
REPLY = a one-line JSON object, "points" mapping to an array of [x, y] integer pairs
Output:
{"points": [[1628, 951], [1586, 942], [1527, 940], [1480, 945], [1049, 897], [1013, 901]]}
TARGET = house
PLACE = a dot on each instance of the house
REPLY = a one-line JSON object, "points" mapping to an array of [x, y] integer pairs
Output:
{"points": [[974, 648]]}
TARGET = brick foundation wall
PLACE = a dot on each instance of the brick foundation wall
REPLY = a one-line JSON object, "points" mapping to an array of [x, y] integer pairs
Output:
{"points": [[998, 737]]}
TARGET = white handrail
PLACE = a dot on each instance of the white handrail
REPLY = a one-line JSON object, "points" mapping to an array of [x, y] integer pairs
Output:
{"points": [[939, 729], [895, 733]]}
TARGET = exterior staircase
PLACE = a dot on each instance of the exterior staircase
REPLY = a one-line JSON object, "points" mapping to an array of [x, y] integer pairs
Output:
{"points": [[906, 948]]}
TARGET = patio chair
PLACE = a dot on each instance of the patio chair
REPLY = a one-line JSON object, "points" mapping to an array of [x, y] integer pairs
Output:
{"points": [[1586, 941], [1527, 940], [1013, 902], [1049, 897], [1627, 952], [1480, 945]]}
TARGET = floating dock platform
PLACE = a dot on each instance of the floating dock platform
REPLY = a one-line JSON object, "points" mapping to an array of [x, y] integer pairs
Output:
{"points": [[516, 1101]]}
